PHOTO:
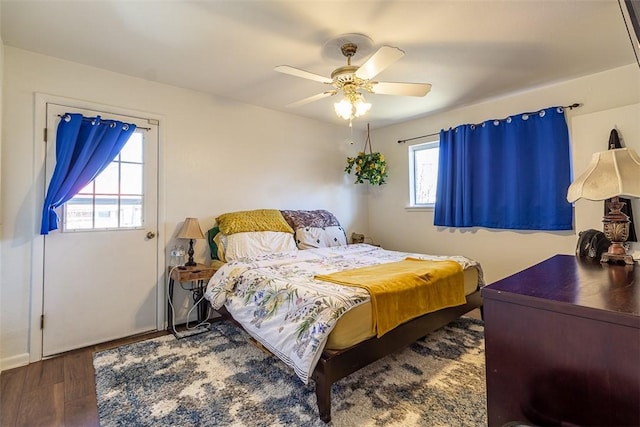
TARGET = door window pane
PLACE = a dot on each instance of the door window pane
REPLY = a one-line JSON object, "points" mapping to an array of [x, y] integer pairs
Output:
{"points": [[132, 152], [107, 181], [106, 212], [79, 213], [88, 189], [131, 178], [131, 211]]}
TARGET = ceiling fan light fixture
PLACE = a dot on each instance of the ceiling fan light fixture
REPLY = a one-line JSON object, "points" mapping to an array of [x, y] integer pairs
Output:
{"points": [[344, 109], [352, 106], [361, 105]]}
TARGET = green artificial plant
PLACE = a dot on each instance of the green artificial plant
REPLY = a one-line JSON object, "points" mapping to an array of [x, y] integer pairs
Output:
{"points": [[369, 166]]}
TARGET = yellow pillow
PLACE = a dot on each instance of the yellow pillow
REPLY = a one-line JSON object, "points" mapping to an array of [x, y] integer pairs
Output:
{"points": [[256, 220]]}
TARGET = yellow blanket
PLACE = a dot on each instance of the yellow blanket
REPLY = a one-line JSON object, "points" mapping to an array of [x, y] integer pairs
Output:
{"points": [[403, 290]]}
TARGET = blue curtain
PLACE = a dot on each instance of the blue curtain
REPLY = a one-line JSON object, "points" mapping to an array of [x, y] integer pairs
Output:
{"points": [[84, 147], [511, 173]]}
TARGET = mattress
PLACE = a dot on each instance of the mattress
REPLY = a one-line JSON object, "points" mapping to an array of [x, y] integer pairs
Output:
{"points": [[355, 325], [277, 300]]}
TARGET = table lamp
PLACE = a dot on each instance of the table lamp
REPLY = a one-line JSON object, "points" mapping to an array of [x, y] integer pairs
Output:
{"points": [[611, 174], [190, 230]]}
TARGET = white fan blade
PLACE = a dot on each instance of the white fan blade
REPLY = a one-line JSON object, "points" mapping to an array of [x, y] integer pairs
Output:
{"points": [[311, 99], [405, 89], [380, 60], [302, 73]]}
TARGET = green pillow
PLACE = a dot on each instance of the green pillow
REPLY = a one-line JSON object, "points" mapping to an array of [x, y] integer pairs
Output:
{"points": [[211, 234]]}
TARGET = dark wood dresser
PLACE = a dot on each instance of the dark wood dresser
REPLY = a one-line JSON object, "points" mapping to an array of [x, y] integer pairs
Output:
{"points": [[563, 345]]}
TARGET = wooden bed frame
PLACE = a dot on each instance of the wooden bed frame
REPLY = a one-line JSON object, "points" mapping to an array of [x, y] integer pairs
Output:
{"points": [[335, 365]]}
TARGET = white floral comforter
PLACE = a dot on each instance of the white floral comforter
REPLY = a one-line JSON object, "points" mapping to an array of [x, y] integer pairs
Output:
{"points": [[277, 300]]}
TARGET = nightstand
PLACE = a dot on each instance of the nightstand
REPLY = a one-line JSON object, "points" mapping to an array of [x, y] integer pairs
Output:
{"points": [[199, 276]]}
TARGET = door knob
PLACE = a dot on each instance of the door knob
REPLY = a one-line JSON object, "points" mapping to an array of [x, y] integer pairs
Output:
{"points": [[151, 235]]}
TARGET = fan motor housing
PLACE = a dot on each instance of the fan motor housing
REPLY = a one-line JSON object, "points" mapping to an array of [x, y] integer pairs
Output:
{"points": [[345, 74]]}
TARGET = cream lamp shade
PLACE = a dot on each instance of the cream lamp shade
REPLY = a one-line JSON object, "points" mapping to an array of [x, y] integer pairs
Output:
{"points": [[611, 173], [190, 230]]}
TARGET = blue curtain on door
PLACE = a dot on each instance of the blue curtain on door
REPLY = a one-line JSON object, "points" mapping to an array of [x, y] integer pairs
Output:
{"points": [[84, 147], [511, 173]]}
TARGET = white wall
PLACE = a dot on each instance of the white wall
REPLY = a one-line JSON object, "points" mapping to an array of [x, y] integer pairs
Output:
{"points": [[216, 156], [502, 252]]}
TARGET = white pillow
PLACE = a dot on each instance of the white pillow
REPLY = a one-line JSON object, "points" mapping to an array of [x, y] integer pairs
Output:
{"points": [[320, 237], [255, 243]]}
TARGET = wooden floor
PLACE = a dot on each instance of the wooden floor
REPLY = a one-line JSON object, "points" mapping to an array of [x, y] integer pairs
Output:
{"points": [[60, 391]]}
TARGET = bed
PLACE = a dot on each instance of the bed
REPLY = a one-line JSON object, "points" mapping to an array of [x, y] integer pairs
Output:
{"points": [[288, 281]]}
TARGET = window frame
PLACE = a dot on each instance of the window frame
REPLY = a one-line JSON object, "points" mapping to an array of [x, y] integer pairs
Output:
{"points": [[119, 196], [412, 149]]}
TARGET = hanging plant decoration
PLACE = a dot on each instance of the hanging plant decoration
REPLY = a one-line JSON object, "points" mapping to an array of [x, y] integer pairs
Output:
{"points": [[368, 166]]}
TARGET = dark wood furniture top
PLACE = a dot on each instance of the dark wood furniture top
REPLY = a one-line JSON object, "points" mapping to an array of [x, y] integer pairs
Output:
{"points": [[578, 285], [562, 344], [197, 272]]}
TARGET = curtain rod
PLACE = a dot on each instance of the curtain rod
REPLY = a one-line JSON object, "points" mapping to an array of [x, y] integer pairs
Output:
{"points": [[89, 118], [402, 141]]}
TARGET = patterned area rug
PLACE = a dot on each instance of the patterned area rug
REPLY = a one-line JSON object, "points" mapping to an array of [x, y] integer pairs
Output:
{"points": [[220, 379]]}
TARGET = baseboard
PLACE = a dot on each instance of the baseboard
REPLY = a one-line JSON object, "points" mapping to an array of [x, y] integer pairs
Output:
{"points": [[14, 361]]}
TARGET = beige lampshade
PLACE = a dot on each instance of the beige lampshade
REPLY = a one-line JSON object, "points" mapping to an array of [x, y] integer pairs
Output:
{"points": [[190, 230], [611, 173]]}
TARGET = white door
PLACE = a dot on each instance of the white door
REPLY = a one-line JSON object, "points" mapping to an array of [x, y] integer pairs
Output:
{"points": [[101, 265]]}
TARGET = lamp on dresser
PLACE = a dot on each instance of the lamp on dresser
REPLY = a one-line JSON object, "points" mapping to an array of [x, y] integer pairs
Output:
{"points": [[190, 230], [610, 175]]}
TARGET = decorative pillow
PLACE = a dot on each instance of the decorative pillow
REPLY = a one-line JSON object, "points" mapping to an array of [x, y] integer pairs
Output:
{"points": [[255, 243], [317, 218], [218, 241], [256, 220], [320, 237]]}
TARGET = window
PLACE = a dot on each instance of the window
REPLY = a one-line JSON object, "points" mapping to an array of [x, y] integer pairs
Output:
{"points": [[423, 174], [114, 198]]}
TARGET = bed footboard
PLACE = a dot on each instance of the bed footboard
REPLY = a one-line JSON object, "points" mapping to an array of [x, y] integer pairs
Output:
{"points": [[333, 366]]}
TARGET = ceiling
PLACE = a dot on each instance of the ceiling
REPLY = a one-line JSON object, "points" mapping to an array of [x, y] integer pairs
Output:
{"points": [[468, 50]]}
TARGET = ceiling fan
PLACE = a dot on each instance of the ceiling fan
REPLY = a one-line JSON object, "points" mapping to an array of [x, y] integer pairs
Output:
{"points": [[352, 80]]}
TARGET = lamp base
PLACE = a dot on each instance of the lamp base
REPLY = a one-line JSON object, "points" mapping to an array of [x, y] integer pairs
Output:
{"points": [[190, 262], [616, 229], [626, 258]]}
